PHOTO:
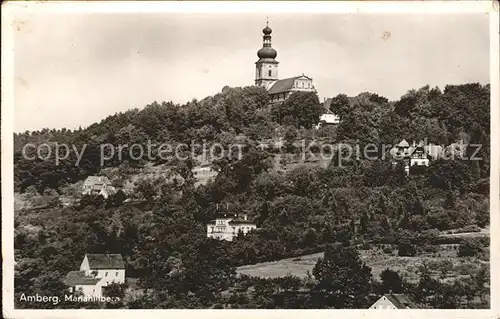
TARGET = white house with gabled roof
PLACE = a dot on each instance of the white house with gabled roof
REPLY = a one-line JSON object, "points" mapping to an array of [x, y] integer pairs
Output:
{"points": [[393, 301], [109, 267], [96, 271]]}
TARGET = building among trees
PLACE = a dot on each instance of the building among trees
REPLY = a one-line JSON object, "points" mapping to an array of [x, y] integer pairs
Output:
{"points": [[227, 228], [98, 185], [417, 154], [203, 174], [266, 74]]}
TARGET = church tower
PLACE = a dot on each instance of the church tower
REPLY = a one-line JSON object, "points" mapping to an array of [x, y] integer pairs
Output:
{"points": [[266, 67]]}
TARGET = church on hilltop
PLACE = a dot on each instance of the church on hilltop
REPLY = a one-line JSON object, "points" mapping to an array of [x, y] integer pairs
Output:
{"points": [[266, 73]]}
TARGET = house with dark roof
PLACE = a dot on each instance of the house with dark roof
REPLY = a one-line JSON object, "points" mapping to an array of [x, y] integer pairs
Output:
{"points": [[96, 272], [88, 286], [393, 301], [98, 185], [227, 228], [109, 267]]}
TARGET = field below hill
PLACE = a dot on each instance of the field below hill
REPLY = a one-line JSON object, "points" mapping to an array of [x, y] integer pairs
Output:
{"points": [[377, 260]]}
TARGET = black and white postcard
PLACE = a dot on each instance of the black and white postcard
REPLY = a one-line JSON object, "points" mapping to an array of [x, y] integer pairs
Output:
{"points": [[338, 158]]}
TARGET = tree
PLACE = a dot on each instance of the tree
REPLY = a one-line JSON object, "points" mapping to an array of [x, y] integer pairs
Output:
{"points": [[406, 249], [343, 279], [391, 282], [115, 290], [116, 199], [449, 175], [290, 137], [483, 215], [303, 107], [481, 278], [146, 188], [289, 283], [444, 267], [428, 288], [362, 122], [470, 247], [96, 201], [340, 105], [206, 270]]}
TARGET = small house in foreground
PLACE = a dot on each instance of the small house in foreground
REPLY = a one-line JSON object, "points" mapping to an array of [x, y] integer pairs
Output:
{"points": [[393, 301], [89, 286], [109, 267], [96, 271]]}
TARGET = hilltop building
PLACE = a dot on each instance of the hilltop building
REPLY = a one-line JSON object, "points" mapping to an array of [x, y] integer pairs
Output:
{"points": [[393, 301], [98, 185], [227, 228], [96, 271], [266, 73]]}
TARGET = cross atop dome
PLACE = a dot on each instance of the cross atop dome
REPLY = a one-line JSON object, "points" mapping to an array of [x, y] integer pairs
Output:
{"points": [[267, 30]]}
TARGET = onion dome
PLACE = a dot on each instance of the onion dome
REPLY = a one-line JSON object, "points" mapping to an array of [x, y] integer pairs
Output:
{"points": [[267, 53]]}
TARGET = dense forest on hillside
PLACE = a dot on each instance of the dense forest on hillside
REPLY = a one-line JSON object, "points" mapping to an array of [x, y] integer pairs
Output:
{"points": [[303, 210]]}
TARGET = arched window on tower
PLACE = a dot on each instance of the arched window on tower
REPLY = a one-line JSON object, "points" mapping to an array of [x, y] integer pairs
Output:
{"points": [[270, 72]]}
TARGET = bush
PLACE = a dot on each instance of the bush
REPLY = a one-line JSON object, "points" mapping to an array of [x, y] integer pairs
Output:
{"points": [[471, 229], [405, 249], [366, 246], [389, 239], [470, 247], [431, 248]]}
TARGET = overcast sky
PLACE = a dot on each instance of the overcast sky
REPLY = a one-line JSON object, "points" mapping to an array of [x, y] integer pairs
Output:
{"points": [[76, 69]]}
